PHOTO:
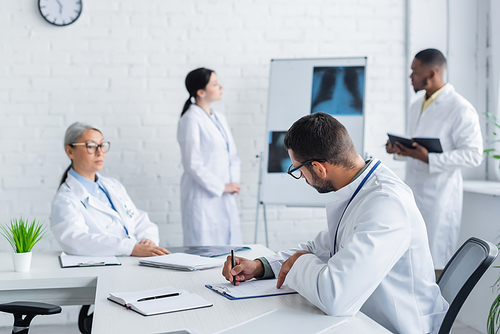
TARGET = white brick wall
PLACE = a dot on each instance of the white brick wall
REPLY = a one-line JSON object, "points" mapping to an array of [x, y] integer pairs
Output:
{"points": [[122, 66]]}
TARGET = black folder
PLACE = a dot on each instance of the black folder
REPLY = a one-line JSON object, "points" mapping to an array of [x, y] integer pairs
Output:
{"points": [[433, 145]]}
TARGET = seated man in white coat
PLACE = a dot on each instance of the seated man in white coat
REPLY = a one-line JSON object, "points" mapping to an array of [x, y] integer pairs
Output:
{"points": [[436, 178], [374, 256], [92, 214]]}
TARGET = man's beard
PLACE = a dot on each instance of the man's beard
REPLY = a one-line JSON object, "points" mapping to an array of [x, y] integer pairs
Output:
{"points": [[322, 186], [424, 83]]}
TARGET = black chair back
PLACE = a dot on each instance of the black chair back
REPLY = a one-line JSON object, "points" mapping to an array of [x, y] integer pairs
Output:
{"points": [[462, 273]]}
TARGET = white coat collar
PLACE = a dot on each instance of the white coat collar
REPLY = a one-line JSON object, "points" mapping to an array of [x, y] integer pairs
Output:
{"points": [[341, 197], [448, 91], [199, 109], [82, 195], [345, 193]]}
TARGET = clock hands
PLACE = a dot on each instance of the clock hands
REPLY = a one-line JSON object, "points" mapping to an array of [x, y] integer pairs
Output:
{"points": [[66, 12], [60, 6]]}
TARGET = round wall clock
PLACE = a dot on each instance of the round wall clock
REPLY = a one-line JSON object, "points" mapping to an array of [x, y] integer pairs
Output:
{"points": [[60, 12]]}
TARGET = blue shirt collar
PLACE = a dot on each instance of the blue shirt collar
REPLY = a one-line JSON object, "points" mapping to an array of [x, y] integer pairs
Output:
{"points": [[93, 188], [90, 186]]}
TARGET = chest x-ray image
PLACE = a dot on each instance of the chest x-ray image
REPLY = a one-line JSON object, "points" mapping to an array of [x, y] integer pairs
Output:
{"points": [[338, 90], [278, 161]]}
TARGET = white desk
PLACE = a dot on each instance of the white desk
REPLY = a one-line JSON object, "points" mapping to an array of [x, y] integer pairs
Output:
{"points": [[48, 282]]}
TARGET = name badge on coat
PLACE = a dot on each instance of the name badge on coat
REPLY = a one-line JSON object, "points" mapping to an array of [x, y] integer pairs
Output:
{"points": [[129, 211]]}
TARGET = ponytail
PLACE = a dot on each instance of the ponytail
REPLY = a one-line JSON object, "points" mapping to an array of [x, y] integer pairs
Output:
{"points": [[65, 175], [196, 80], [186, 106]]}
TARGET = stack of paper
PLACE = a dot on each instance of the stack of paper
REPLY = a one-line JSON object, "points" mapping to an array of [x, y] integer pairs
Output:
{"points": [[208, 251], [157, 301], [181, 261]]}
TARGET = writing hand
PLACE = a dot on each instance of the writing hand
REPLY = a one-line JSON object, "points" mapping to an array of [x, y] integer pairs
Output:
{"points": [[287, 266], [419, 152], [243, 270]]}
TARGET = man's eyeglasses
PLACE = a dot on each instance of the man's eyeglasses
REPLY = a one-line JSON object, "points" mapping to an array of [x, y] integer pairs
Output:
{"points": [[92, 146], [296, 173]]}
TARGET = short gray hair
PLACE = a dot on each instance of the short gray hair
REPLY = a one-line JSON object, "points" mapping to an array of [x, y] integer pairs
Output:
{"points": [[75, 131]]}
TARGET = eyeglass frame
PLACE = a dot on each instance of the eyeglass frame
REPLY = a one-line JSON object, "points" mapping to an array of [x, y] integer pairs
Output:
{"points": [[98, 146], [290, 171]]}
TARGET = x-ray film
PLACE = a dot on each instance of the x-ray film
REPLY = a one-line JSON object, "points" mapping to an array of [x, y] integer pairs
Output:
{"points": [[338, 90], [278, 161]]}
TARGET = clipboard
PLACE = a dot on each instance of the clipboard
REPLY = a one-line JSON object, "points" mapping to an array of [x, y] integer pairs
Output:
{"points": [[250, 289], [75, 261]]}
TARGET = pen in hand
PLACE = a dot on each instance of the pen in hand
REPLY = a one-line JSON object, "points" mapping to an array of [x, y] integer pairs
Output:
{"points": [[232, 266], [158, 297]]}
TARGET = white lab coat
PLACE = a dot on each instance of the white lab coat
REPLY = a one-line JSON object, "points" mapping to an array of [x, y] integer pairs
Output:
{"points": [[437, 186], [383, 265], [209, 217], [84, 225]]}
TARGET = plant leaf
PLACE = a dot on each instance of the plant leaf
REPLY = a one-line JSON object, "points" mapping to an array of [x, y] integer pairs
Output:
{"points": [[23, 235]]}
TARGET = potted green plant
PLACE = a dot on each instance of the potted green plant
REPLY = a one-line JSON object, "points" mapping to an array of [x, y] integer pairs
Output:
{"points": [[490, 152], [493, 324], [23, 236]]}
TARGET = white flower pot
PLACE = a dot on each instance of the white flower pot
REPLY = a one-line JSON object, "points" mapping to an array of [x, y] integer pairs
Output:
{"points": [[22, 261]]}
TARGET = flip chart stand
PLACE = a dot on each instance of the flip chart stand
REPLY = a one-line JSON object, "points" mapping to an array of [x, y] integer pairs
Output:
{"points": [[259, 203]]}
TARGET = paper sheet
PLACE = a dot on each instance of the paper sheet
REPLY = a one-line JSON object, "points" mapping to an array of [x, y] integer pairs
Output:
{"points": [[254, 288], [182, 261]]}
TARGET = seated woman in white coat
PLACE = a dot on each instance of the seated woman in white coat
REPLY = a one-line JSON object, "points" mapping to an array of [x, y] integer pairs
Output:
{"points": [[211, 167], [92, 214]]}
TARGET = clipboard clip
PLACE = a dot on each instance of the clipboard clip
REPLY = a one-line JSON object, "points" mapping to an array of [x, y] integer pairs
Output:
{"points": [[221, 290], [91, 264]]}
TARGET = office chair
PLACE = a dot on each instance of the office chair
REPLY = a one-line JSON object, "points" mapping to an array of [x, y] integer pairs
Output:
{"points": [[462, 273], [85, 320], [28, 310]]}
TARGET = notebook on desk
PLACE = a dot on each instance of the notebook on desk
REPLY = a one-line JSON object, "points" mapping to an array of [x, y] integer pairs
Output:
{"points": [[181, 261], [250, 289], [290, 322], [158, 301]]}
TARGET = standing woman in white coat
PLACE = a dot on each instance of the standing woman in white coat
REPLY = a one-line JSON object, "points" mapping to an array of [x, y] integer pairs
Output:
{"points": [[211, 167], [93, 214]]}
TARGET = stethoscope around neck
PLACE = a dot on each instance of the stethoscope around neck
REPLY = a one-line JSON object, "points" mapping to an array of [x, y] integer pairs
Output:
{"points": [[350, 200]]}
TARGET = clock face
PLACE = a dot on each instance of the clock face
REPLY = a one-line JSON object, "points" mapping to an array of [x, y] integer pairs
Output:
{"points": [[60, 12]]}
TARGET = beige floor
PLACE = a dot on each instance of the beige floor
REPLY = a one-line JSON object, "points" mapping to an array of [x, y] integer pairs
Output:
{"points": [[458, 328]]}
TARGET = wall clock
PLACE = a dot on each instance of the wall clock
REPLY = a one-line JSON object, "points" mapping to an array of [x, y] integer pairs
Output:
{"points": [[60, 12]]}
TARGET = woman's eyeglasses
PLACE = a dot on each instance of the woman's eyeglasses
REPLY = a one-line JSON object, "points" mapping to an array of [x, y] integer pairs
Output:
{"points": [[92, 146]]}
